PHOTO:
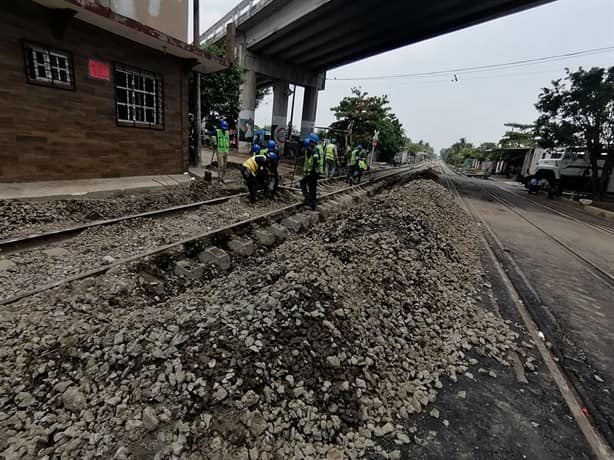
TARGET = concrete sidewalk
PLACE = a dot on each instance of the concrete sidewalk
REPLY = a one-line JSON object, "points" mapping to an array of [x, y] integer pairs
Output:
{"points": [[89, 187]]}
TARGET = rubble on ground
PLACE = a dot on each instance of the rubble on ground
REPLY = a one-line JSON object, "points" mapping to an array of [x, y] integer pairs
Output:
{"points": [[322, 347]]}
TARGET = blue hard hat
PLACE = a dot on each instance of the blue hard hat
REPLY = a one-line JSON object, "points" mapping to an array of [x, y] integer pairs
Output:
{"points": [[271, 145], [306, 142], [256, 149], [359, 147], [272, 156], [223, 124], [313, 137]]}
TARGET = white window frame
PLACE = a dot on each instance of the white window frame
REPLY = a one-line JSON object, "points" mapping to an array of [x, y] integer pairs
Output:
{"points": [[135, 91], [42, 72]]}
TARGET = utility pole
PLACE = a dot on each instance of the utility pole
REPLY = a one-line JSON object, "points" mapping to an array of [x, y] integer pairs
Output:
{"points": [[290, 127], [198, 116], [373, 145]]}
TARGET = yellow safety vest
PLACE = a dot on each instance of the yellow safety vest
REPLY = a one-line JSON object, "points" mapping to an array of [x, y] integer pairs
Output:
{"points": [[320, 151], [252, 164], [331, 152]]}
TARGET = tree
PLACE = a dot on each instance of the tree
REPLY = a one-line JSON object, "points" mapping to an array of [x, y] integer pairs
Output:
{"points": [[220, 91], [578, 111], [458, 152], [261, 93], [521, 135], [365, 114], [462, 150], [419, 147]]}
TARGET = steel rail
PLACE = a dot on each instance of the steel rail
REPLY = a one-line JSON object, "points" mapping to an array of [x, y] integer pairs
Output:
{"points": [[605, 275], [33, 240], [202, 237]]}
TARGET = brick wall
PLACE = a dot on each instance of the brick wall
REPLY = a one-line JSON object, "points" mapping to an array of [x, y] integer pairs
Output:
{"points": [[48, 133]]}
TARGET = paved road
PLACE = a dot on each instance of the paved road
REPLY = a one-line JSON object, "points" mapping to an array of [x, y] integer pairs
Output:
{"points": [[577, 314]]}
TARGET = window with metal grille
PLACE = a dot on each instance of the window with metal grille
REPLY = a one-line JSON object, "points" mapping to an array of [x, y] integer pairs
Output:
{"points": [[138, 98], [49, 67]]}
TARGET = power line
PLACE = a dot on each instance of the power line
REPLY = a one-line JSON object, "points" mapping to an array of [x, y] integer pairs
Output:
{"points": [[483, 68]]}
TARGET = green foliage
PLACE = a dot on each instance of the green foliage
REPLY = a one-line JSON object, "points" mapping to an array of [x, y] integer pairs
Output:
{"points": [[365, 114], [261, 93], [521, 135], [458, 152], [578, 111], [417, 147], [220, 93], [214, 50]]}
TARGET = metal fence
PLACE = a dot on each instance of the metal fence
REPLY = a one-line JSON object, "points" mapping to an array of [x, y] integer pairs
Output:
{"points": [[240, 13]]}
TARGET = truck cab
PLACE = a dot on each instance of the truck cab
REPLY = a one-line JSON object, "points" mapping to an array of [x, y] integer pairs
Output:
{"points": [[565, 168]]}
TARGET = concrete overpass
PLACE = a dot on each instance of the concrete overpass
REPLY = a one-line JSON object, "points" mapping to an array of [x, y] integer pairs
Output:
{"points": [[296, 41]]}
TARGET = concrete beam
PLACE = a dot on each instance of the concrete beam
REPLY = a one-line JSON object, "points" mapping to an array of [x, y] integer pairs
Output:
{"points": [[295, 40], [351, 37], [320, 40], [281, 92], [286, 15], [310, 109], [348, 30], [248, 111], [281, 70]]}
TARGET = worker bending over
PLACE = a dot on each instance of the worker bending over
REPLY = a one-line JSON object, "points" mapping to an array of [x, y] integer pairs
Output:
{"points": [[271, 147], [255, 173], [359, 170], [256, 150], [353, 162]]}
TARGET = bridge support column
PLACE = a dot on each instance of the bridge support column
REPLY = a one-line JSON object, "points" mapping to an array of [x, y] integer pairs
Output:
{"points": [[280, 108], [310, 107], [248, 110]]}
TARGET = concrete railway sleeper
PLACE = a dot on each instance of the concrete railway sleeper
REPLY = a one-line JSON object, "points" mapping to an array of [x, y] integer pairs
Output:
{"points": [[266, 229]]}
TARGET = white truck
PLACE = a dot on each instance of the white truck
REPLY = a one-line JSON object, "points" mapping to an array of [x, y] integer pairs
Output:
{"points": [[563, 168]]}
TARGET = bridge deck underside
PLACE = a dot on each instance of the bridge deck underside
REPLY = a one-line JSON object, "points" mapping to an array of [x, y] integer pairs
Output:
{"points": [[341, 32]]}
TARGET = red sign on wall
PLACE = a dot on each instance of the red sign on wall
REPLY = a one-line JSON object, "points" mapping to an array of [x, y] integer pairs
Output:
{"points": [[100, 70]]}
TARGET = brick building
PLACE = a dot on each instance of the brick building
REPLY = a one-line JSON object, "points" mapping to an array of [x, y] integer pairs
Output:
{"points": [[89, 93]]}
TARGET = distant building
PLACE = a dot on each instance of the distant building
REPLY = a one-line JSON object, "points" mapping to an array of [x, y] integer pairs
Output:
{"points": [[88, 92]]}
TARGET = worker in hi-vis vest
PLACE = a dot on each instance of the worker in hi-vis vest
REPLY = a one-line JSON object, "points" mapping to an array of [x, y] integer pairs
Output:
{"points": [[311, 170], [223, 147], [330, 160]]}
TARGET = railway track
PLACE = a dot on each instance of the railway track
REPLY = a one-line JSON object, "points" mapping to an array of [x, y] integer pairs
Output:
{"points": [[563, 211], [595, 427], [10, 245], [603, 272], [217, 233]]}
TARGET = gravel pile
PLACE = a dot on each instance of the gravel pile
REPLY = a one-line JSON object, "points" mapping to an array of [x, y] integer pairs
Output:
{"points": [[324, 347], [26, 217]]}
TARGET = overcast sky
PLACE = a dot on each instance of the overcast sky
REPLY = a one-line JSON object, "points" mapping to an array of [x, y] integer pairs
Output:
{"points": [[476, 106]]}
